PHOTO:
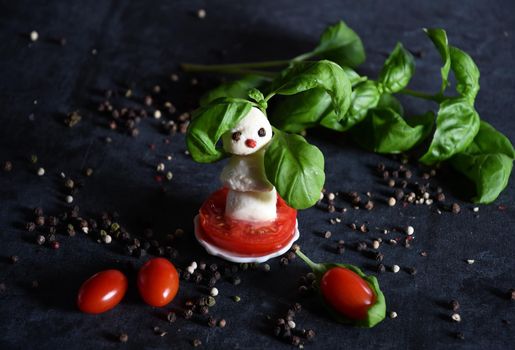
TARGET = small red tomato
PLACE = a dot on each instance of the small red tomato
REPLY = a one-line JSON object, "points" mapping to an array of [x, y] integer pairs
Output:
{"points": [[158, 282], [102, 292], [347, 292]]}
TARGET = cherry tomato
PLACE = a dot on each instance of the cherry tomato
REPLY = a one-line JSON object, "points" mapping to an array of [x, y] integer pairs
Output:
{"points": [[158, 282], [245, 237], [102, 292], [347, 292]]}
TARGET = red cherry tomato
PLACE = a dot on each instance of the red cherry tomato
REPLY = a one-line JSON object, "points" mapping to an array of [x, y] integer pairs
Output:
{"points": [[158, 282], [347, 292], [102, 292], [244, 237]]}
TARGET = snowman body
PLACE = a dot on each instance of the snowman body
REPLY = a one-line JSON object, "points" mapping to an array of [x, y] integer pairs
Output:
{"points": [[251, 196]]}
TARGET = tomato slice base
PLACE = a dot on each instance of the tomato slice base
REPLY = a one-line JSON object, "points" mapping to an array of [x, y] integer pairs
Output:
{"points": [[240, 238]]}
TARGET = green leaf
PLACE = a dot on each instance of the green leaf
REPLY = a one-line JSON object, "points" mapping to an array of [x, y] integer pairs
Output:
{"points": [[397, 70], [385, 131], [342, 45], [303, 110], [257, 96], [489, 140], [439, 38], [295, 168], [237, 88], [209, 123], [306, 109], [376, 313], [457, 123], [390, 101], [324, 75], [488, 162], [466, 74], [364, 97], [353, 76]]}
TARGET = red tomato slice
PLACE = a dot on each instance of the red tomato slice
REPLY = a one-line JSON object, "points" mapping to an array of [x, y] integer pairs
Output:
{"points": [[102, 291], [245, 237], [347, 292]]}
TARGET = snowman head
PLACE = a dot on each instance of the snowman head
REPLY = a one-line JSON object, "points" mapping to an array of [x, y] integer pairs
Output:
{"points": [[251, 134]]}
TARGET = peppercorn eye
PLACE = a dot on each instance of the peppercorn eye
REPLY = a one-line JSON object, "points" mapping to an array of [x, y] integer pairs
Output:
{"points": [[262, 132], [236, 135]]}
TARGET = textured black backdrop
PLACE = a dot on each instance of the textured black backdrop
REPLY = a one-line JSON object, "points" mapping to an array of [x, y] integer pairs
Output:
{"points": [[141, 43]]}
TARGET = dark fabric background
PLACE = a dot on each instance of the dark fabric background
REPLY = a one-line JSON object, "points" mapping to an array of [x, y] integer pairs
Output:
{"points": [[141, 43]]}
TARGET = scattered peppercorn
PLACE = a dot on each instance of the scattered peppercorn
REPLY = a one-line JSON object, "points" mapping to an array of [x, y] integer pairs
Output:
{"points": [[456, 317], [455, 208], [124, 338]]}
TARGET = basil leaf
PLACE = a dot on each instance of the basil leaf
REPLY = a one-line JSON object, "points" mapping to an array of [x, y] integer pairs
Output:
{"points": [[237, 88], [325, 75], [364, 96], [488, 162], [295, 168], [340, 44], [397, 70], [439, 39], [209, 123], [457, 123], [385, 131], [389, 101], [257, 96], [309, 108], [303, 110], [353, 76], [489, 140], [376, 313], [466, 74]]}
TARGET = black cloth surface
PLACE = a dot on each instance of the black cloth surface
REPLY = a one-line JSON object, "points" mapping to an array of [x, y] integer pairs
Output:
{"points": [[115, 44]]}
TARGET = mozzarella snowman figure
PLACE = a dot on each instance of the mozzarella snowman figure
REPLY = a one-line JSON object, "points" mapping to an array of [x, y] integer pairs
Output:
{"points": [[246, 220], [251, 196]]}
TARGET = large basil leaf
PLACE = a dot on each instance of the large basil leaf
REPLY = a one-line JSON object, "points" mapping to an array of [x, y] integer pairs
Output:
{"points": [[385, 131], [439, 39], [295, 168], [209, 123], [466, 74], [397, 70], [324, 75], [342, 45], [364, 97], [236, 88], [303, 110], [488, 162], [457, 123]]}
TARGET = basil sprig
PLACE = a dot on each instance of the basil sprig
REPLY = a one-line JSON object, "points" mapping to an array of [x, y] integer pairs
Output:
{"points": [[376, 313], [371, 112]]}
